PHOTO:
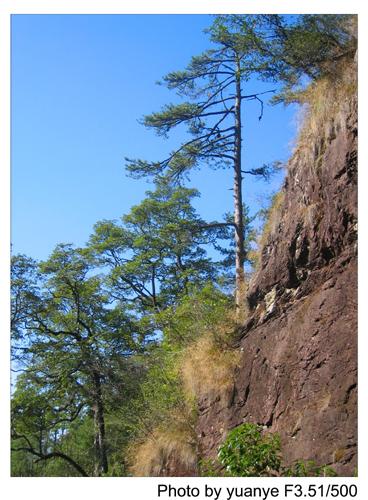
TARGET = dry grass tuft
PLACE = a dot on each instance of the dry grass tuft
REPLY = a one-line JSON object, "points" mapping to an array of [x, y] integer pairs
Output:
{"points": [[270, 227], [242, 312], [175, 444], [273, 219], [321, 115], [208, 368]]}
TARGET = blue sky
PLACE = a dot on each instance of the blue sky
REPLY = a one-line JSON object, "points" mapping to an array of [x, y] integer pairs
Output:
{"points": [[80, 83]]}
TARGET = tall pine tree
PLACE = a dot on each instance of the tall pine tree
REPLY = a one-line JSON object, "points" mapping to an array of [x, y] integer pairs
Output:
{"points": [[213, 82]]}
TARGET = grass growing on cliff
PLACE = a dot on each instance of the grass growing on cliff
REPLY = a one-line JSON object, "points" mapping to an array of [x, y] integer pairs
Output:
{"points": [[195, 360], [164, 418], [176, 444], [271, 218], [322, 102], [208, 369]]}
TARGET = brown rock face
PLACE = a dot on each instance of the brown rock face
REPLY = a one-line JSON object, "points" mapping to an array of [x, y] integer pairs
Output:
{"points": [[298, 375]]}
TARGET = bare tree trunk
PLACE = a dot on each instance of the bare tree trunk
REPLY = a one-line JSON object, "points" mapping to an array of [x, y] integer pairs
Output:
{"points": [[238, 201], [101, 464]]}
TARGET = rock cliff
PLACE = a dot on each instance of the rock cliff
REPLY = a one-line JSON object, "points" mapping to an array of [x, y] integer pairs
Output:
{"points": [[298, 374]]}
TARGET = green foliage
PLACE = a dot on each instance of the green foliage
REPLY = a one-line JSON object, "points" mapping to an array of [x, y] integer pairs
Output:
{"points": [[83, 338], [74, 344], [290, 50], [308, 48], [165, 408], [308, 468], [161, 392], [40, 426], [170, 116], [197, 313], [208, 468], [248, 452], [25, 280], [158, 251]]}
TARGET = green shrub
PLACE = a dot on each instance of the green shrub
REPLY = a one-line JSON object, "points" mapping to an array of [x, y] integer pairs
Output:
{"points": [[308, 468], [248, 452]]}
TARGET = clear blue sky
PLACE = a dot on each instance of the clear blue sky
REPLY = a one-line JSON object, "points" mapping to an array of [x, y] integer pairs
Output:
{"points": [[79, 85]]}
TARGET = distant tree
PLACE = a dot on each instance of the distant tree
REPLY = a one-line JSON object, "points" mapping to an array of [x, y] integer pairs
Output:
{"points": [[39, 420], [213, 82], [25, 280], [74, 341]]}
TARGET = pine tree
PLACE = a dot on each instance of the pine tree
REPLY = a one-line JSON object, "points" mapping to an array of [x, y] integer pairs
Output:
{"points": [[213, 82]]}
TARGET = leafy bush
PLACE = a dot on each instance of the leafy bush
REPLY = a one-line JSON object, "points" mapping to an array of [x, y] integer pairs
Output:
{"points": [[160, 393], [248, 452]]}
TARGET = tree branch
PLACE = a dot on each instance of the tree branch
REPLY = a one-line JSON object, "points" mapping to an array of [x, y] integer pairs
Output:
{"points": [[213, 225]]}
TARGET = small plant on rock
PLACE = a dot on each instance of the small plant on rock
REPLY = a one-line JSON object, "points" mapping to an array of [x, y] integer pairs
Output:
{"points": [[248, 452], [308, 468]]}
